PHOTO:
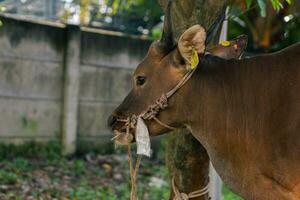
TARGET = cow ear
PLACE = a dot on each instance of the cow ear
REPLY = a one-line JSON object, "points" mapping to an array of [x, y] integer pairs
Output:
{"points": [[232, 49], [191, 44]]}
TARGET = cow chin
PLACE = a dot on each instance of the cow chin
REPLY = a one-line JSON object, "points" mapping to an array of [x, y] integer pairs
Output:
{"points": [[156, 129]]}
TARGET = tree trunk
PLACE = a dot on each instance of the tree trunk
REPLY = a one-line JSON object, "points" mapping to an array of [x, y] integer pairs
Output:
{"points": [[187, 162], [190, 12], [186, 158]]}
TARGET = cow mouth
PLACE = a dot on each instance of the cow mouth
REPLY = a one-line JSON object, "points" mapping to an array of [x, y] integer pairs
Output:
{"points": [[122, 138], [123, 135]]}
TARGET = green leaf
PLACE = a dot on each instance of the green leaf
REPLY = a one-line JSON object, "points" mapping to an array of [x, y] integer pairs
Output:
{"points": [[276, 4], [248, 3], [1, 23], [262, 7], [289, 1]]}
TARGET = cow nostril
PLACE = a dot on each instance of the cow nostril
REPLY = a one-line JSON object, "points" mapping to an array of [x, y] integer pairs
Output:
{"points": [[111, 121]]}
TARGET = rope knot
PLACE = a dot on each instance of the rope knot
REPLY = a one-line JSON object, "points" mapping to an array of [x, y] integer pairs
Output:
{"points": [[162, 102], [154, 109], [130, 122]]}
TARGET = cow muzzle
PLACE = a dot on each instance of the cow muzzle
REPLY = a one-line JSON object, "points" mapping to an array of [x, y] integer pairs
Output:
{"points": [[123, 129]]}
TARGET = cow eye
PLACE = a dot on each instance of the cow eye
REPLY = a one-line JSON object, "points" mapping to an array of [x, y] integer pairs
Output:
{"points": [[140, 80]]}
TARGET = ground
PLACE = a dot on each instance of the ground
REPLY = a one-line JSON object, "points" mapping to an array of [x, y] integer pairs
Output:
{"points": [[40, 175]]}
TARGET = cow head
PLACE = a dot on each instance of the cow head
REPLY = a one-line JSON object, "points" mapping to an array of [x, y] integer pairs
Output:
{"points": [[163, 67]]}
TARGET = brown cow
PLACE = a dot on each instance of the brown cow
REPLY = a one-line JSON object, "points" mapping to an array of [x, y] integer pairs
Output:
{"points": [[246, 113]]}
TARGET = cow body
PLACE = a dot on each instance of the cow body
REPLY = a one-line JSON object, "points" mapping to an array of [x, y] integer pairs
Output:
{"points": [[246, 113]]}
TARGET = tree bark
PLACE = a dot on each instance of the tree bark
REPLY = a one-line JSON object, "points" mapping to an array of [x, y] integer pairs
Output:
{"points": [[187, 162], [186, 158], [186, 13]]}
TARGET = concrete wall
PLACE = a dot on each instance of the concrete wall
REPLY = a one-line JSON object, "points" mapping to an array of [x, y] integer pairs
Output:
{"points": [[61, 82]]}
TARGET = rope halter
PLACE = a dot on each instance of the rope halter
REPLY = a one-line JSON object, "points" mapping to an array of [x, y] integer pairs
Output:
{"points": [[162, 102]]}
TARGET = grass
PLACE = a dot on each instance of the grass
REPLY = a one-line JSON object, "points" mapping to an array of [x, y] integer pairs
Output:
{"points": [[41, 173], [77, 178]]}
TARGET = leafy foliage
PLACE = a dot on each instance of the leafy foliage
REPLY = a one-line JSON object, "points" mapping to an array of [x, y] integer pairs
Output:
{"points": [[262, 6], [142, 16], [131, 16], [268, 28], [276, 4]]}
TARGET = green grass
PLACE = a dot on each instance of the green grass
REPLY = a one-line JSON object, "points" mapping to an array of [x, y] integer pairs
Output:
{"points": [[8, 178], [41, 172], [63, 178], [50, 150]]}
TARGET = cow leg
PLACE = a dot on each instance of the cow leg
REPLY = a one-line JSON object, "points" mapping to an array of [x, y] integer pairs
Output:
{"points": [[187, 162]]}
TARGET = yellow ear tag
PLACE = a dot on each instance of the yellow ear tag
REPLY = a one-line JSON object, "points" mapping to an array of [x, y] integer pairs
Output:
{"points": [[194, 59], [225, 43]]}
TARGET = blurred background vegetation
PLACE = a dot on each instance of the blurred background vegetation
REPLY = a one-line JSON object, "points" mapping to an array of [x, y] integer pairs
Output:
{"points": [[270, 24]]}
